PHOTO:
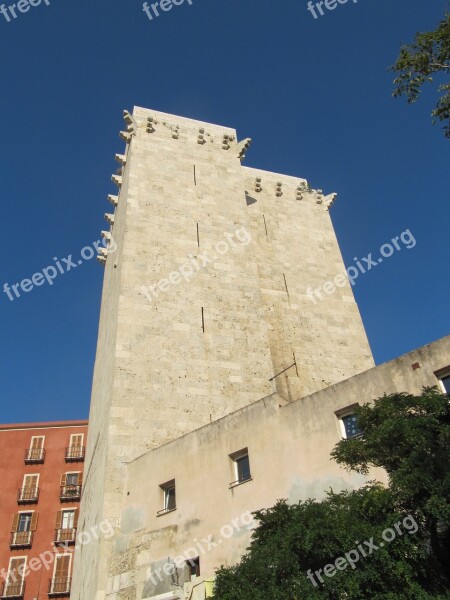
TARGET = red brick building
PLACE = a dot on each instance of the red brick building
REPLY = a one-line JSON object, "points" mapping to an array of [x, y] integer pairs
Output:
{"points": [[41, 469]]}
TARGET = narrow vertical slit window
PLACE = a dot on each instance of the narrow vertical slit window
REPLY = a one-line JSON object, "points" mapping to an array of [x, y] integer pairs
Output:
{"points": [[285, 284], [265, 224]]}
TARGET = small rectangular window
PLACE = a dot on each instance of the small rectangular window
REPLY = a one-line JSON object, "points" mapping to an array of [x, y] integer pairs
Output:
{"points": [[443, 376], [193, 565], [351, 426], [445, 382], [24, 523], [348, 422], [75, 450], [36, 452], [168, 497], [241, 467]]}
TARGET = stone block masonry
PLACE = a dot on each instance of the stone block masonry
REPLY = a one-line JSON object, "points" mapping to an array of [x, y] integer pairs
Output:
{"points": [[215, 344]]}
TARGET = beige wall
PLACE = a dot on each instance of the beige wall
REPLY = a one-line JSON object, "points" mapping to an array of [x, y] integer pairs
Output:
{"points": [[289, 447], [158, 375]]}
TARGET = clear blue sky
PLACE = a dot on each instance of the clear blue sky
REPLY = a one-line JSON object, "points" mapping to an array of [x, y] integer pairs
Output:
{"points": [[315, 97]]}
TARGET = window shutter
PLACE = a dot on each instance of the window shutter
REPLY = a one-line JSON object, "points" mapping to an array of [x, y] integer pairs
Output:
{"points": [[63, 479], [76, 440], [30, 481], [58, 519], [15, 523], [80, 478], [62, 566], [75, 518], [14, 574], [34, 520]]}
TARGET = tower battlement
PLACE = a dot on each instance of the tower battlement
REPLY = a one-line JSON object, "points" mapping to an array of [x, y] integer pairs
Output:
{"points": [[240, 328]]}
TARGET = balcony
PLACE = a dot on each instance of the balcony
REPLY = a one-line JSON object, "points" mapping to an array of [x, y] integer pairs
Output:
{"points": [[28, 495], [21, 539], [13, 590], [65, 536], [34, 456], [59, 586], [70, 492], [74, 454]]}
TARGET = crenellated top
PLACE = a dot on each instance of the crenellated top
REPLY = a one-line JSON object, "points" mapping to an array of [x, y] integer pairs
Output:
{"points": [[164, 125], [148, 122], [285, 186]]}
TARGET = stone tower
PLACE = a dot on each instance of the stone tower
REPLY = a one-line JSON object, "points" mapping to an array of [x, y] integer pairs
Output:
{"points": [[204, 305]]}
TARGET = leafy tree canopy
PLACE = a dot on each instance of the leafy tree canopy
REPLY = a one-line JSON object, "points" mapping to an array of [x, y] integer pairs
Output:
{"points": [[290, 540], [409, 437], [419, 62]]}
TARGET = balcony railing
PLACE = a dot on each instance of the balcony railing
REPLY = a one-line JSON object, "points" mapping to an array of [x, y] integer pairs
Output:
{"points": [[74, 453], [28, 495], [59, 586], [21, 539], [70, 492], [65, 535], [34, 456], [13, 589]]}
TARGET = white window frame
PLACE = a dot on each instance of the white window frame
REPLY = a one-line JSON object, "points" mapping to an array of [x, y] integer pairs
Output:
{"points": [[235, 457], [64, 510], [73, 435], [24, 512], [22, 499], [164, 487], [9, 567], [31, 475], [57, 556], [71, 473], [442, 373], [340, 414], [37, 437]]}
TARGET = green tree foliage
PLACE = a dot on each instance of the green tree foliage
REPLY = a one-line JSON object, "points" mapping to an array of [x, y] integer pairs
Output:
{"points": [[290, 540], [420, 62], [409, 437]]}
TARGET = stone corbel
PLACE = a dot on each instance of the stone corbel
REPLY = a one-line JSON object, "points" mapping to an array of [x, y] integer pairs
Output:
{"points": [[329, 200], [110, 218], [242, 148], [131, 123], [125, 136], [113, 199], [117, 179]]}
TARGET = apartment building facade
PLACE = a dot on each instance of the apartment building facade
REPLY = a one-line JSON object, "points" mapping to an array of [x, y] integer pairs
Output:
{"points": [[41, 470]]}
